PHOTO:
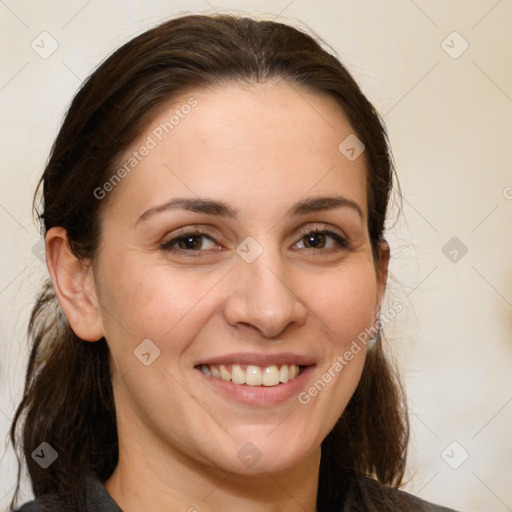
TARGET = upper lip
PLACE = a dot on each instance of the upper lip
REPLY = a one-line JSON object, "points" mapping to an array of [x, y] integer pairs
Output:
{"points": [[259, 359]]}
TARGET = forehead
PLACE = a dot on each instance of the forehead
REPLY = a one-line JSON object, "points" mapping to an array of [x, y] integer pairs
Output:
{"points": [[272, 139]]}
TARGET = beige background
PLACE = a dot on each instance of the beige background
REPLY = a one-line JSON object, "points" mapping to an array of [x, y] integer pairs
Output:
{"points": [[450, 124]]}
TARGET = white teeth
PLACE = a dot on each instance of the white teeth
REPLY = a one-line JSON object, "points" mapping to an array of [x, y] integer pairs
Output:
{"points": [[284, 374], [237, 374], [224, 374], [271, 376], [253, 375], [294, 371]]}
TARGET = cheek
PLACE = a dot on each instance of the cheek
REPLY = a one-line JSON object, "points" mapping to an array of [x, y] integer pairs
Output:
{"points": [[344, 300], [345, 303], [152, 301]]}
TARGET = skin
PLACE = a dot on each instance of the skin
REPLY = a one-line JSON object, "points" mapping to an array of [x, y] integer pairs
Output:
{"points": [[261, 149]]}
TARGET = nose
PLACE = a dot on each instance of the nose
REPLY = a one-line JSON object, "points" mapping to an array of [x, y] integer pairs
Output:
{"points": [[263, 297]]}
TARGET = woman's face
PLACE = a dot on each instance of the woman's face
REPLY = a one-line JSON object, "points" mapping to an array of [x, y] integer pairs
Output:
{"points": [[254, 296]]}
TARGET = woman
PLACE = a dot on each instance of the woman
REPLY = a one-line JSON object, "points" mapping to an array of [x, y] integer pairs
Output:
{"points": [[214, 208]]}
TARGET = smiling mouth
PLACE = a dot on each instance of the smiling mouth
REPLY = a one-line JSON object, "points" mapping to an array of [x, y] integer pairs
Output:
{"points": [[251, 375]]}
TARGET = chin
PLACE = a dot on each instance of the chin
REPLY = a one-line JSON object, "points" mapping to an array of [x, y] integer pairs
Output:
{"points": [[266, 454]]}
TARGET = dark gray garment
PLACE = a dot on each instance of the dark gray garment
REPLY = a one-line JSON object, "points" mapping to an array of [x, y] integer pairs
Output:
{"points": [[98, 500]]}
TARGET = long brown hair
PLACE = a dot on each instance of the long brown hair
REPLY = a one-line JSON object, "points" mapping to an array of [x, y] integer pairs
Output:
{"points": [[68, 398]]}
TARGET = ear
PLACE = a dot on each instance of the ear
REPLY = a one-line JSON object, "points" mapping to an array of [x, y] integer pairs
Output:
{"points": [[73, 280], [382, 265]]}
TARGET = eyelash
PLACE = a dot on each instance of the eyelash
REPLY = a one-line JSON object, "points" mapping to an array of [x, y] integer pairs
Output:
{"points": [[186, 232]]}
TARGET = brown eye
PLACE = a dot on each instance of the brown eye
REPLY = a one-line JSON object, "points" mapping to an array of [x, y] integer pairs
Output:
{"points": [[190, 242], [323, 239], [315, 240]]}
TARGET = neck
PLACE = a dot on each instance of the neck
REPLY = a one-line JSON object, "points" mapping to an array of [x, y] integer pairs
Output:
{"points": [[150, 481]]}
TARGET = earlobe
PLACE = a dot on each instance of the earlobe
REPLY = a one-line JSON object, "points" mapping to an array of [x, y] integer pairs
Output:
{"points": [[74, 285]]}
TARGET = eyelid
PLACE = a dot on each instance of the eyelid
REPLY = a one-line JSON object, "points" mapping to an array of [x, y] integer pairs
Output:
{"points": [[320, 226]]}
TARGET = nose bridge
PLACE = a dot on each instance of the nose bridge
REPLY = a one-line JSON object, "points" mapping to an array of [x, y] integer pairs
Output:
{"points": [[261, 295]]}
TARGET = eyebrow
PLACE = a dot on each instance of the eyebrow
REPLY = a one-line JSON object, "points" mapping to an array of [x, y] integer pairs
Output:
{"points": [[222, 209]]}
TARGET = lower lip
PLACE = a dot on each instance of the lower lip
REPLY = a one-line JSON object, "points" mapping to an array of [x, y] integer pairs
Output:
{"points": [[260, 395]]}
